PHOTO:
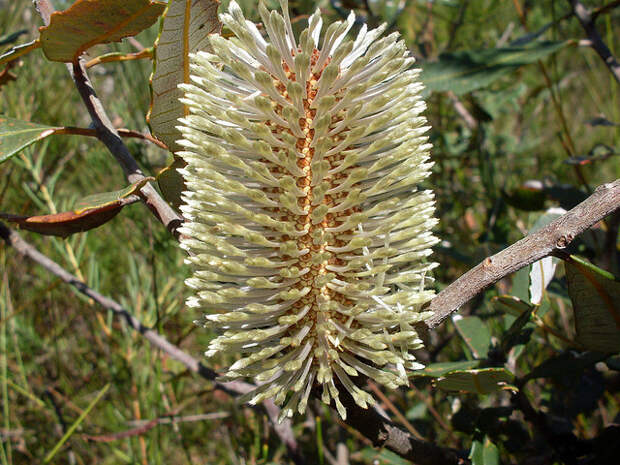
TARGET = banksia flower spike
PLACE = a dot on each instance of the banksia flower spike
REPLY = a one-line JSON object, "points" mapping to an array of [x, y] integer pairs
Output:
{"points": [[305, 229]]}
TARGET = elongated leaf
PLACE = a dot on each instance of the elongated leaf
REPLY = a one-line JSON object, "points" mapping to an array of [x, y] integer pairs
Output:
{"points": [[435, 370], [475, 334], [12, 37], [569, 363], [90, 212], [481, 381], [65, 223], [91, 22], [19, 51], [16, 135], [542, 271], [383, 457], [596, 304], [468, 70], [186, 27], [512, 305], [171, 182], [106, 199]]}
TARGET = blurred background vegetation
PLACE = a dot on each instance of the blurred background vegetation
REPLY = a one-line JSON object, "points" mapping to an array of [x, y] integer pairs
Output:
{"points": [[517, 137]]}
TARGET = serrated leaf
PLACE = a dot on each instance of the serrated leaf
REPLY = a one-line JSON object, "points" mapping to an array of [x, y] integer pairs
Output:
{"points": [[475, 333], [16, 135], [186, 27], [481, 381], [595, 296], [435, 370], [171, 182], [106, 199], [468, 70], [91, 22]]}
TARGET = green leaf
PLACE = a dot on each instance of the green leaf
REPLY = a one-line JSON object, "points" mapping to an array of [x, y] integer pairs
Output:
{"points": [[468, 70], [87, 23], [515, 334], [595, 295], [105, 199], [481, 381], [90, 212], [383, 457], [484, 453], [171, 182], [567, 363], [435, 370], [16, 135], [19, 50], [512, 305], [12, 37], [475, 333], [186, 27]]}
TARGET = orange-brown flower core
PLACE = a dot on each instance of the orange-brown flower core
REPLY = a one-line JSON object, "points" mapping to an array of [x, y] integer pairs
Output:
{"points": [[317, 239]]}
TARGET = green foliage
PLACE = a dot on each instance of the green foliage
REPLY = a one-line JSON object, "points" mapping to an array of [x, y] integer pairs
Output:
{"points": [[544, 133]]}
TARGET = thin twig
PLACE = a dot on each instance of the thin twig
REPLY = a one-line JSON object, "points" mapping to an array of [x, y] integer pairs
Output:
{"points": [[283, 429], [555, 236], [73, 131], [111, 139], [587, 22]]}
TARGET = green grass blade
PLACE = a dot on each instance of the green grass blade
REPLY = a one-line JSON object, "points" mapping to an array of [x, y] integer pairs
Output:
{"points": [[74, 426]]}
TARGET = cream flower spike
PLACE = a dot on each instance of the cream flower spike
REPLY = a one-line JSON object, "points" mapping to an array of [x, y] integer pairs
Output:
{"points": [[305, 229]]}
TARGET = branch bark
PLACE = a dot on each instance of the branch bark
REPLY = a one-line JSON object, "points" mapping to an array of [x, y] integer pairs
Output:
{"points": [[555, 236], [587, 22], [283, 430], [111, 139]]}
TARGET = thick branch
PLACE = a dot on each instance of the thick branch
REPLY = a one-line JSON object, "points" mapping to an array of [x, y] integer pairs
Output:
{"points": [[283, 429], [109, 136], [555, 236], [587, 22]]}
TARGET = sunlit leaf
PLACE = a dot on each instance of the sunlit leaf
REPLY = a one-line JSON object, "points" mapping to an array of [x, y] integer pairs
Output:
{"points": [[595, 295], [105, 199], [435, 370], [468, 70], [19, 51], [480, 381], [186, 27], [542, 271], [16, 135], [89, 213], [91, 22]]}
